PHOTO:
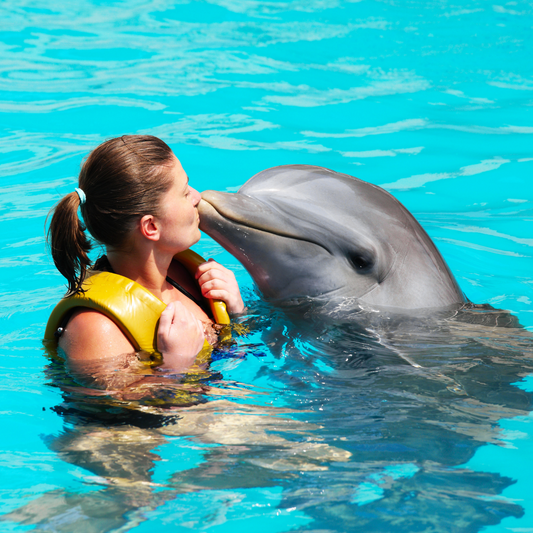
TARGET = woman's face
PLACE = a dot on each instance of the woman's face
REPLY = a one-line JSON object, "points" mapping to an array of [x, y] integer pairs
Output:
{"points": [[178, 214]]}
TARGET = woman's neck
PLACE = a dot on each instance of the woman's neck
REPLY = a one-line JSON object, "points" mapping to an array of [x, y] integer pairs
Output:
{"points": [[143, 267]]}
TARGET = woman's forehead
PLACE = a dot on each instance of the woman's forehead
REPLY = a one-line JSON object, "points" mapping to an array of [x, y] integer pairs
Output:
{"points": [[180, 176]]}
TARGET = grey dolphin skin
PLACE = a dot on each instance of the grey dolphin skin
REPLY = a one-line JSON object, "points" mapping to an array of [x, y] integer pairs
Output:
{"points": [[306, 231]]}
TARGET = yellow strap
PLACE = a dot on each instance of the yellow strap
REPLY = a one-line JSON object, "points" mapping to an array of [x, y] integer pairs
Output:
{"points": [[191, 260], [132, 307]]}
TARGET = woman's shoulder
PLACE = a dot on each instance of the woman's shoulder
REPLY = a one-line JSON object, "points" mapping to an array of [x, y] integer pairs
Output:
{"points": [[92, 335]]}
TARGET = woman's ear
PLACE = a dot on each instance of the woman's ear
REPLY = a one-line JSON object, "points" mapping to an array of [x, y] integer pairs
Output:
{"points": [[150, 228]]}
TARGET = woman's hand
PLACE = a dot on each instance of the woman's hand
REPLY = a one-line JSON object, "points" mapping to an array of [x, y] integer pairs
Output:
{"points": [[219, 283], [180, 337]]}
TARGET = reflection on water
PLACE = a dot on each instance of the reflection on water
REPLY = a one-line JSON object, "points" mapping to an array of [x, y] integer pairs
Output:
{"points": [[376, 418], [320, 424]]}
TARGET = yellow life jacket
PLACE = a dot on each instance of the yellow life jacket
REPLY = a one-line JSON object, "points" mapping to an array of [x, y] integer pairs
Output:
{"points": [[133, 308]]}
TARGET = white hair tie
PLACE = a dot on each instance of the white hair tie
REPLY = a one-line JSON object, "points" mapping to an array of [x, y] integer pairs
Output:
{"points": [[81, 194]]}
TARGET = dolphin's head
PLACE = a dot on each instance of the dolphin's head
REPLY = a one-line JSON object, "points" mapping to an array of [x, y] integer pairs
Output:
{"points": [[304, 231]]}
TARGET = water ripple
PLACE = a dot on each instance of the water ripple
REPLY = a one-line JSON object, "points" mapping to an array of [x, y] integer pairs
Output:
{"points": [[49, 106], [482, 248], [28, 301], [218, 130], [305, 96], [393, 152], [30, 200], [419, 180], [491, 232], [413, 124], [44, 149], [269, 8]]}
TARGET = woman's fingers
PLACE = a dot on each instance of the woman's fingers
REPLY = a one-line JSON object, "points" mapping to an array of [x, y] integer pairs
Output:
{"points": [[212, 270], [216, 294], [165, 321], [180, 336], [217, 282]]}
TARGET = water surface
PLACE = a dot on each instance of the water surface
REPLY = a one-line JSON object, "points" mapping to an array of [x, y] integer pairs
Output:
{"points": [[305, 425]]}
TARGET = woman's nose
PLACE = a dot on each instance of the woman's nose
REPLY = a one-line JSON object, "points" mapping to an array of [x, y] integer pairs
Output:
{"points": [[195, 196]]}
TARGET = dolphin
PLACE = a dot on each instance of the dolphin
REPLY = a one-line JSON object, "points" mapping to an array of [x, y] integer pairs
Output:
{"points": [[306, 231]]}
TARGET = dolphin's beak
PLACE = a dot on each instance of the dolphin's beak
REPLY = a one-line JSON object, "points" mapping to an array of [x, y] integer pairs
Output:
{"points": [[221, 210], [239, 209]]}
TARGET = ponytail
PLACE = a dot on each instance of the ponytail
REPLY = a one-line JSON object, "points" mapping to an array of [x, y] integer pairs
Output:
{"points": [[68, 242]]}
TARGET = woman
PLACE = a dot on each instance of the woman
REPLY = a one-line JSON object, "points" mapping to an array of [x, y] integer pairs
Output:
{"points": [[136, 201]]}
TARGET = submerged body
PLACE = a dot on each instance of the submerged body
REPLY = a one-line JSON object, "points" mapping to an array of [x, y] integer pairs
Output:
{"points": [[306, 231]]}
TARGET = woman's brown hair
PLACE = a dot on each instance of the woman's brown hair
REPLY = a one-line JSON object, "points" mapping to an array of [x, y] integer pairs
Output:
{"points": [[123, 179]]}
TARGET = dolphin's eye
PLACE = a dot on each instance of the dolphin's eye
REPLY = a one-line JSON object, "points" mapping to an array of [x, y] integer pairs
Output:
{"points": [[361, 261]]}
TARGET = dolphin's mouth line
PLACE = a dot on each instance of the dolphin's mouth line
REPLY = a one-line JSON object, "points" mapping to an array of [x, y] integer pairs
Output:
{"points": [[332, 292], [285, 235]]}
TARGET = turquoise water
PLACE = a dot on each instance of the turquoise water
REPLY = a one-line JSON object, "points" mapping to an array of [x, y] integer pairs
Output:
{"points": [[301, 427]]}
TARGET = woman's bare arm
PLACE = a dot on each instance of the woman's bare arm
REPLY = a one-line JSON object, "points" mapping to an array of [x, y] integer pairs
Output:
{"points": [[91, 336], [99, 354]]}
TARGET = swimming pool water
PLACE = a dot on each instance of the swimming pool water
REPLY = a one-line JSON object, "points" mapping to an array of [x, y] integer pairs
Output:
{"points": [[304, 427]]}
